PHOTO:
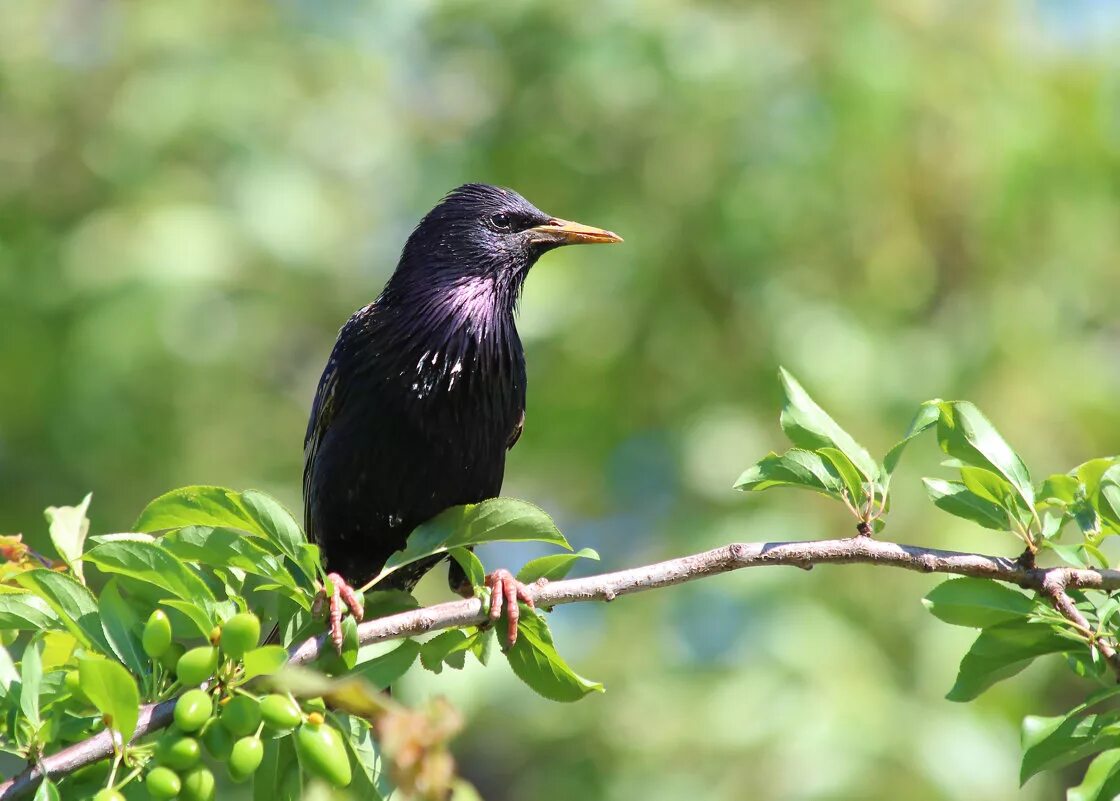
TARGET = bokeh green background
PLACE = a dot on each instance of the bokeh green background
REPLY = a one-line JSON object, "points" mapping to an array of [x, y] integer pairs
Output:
{"points": [[895, 200]]}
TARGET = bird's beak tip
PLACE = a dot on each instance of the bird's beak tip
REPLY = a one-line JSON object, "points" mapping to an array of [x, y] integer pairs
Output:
{"points": [[566, 232]]}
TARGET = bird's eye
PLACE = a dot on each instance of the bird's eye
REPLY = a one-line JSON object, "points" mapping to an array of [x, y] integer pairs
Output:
{"points": [[502, 222]]}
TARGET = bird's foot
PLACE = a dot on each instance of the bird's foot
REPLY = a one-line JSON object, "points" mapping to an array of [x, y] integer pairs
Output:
{"points": [[506, 590], [343, 594]]}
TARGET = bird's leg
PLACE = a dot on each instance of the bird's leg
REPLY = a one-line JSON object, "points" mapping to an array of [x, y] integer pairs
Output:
{"points": [[343, 593], [505, 589]]}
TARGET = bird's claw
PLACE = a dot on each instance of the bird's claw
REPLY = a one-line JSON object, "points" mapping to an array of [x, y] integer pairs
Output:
{"points": [[343, 594], [506, 591]]}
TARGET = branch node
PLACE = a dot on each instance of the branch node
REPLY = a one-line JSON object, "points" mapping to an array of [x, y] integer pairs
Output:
{"points": [[1026, 560], [608, 595], [864, 528]]}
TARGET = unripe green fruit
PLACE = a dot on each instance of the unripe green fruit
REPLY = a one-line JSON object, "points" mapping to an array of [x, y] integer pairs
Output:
{"points": [[245, 758], [241, 715], [217, 740], [163, 783], [197, 665], [178, 753], [280, 712], [323, 754], [198, 785], [157, 634], [193, 708], [239, 634], [108, 794]]}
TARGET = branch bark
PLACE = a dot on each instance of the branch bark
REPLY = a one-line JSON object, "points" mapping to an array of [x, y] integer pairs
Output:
{"points": [[1051, 582]]}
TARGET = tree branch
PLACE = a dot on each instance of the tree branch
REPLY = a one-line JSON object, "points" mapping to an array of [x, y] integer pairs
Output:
{"points": [[1051, 582]]}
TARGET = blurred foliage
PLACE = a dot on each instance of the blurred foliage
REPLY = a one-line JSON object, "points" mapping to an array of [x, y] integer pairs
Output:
{"points": [[897, 201]]}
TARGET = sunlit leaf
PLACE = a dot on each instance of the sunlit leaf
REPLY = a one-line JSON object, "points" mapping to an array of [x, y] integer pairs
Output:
{"points": [[383, 670], [554, 566], [449, 647], [1101, 781], [535, 660], [121, 626], [112, 690], [264, 661], [976, 603], [494, 520], [198, 506], [954, 498], [964, 433], [68, 527], [471, 565], [74, 605], [152, 564], [808, 426], [794, 468], [925, 418], [1000, 652], [24, 610], [30, 680]]}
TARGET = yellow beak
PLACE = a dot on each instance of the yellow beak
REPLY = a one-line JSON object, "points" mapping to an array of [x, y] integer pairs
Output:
{"points": [[565, 232]]}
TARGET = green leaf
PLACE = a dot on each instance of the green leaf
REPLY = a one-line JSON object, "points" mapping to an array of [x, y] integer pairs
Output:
{"points": [[279, 758], [976, 603], [30, 681], [264, 661], [449, 647], [72, 602], [1051, 743], [25, 611], [368, 782], [924, 419], [47, 791], [121, 624], [8, 672], [349, 653], [226, 547], [494, 520], [953, 497], [808, 426], [68, 529], [198, 506], [850, 477], [113, 691], [554, 566], [535, 660], [471, 564], [153, 565], [483, 645], [1060, 489], [988, 485], [203, 621], [276, 522], [964, 433], [794, 468], [1101, 781], [1000, 652], [1070, 554], [382, 603], [383, 670]]}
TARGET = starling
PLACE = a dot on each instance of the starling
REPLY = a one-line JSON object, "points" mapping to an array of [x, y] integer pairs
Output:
{"points": [[424, 392]]}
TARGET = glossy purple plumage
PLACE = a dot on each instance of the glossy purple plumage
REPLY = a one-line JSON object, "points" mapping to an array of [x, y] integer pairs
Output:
{"points": [[425, 387]]}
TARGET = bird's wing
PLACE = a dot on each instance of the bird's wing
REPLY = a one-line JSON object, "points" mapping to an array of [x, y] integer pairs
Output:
{"points": [[323, 410], [516, 433]]}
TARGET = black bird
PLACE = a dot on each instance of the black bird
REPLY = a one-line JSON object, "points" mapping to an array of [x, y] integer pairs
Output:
{"points": [[424, 391]]}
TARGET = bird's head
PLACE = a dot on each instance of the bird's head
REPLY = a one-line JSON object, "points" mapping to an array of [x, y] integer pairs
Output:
{"points": [[488, 232]]}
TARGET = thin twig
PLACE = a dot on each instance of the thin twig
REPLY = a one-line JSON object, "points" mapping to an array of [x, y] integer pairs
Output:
{"points": [[1052, 582]]}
